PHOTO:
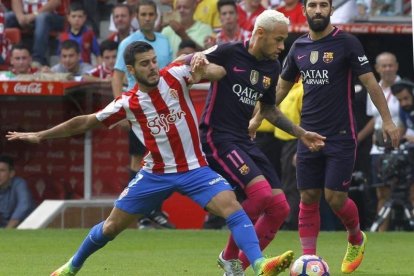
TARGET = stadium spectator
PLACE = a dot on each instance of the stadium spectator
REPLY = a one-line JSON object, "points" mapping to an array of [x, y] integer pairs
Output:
{"points": [[134, 23], [175, 161], [363, 10], [186, 47], [187, 28], [252, 70], [79, 32], [21, 60], [247, 11], [5, 43], [104, 71], [403, 90], [293, 9], [230, 30], [122, 15], [16, 201], [207, 13], [146, 15], [386, 65], [320, 58], [70, 60], [390, 7], [91, 9], [39, 15]]}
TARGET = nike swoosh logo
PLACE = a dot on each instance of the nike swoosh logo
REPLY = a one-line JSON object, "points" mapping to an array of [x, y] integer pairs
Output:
{"points": [[346, 183], [238, 70], [248, 225], [300, 57]]}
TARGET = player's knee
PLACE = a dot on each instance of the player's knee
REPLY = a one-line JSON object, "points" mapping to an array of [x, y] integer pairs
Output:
{"points": [[336, 200], [278, 207], [224, 204], [257, 201], [310, 196], [110, 229]]}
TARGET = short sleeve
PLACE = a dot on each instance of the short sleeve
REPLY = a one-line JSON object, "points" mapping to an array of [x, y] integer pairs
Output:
{"points": [[356, 55], [290, 70], [113, 113], [218, 53]]}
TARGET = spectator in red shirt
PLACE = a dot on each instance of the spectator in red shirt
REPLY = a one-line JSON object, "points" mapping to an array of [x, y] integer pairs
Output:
{"points": [[230, 29], [248, 10], [5, 44], [21, 60], [293, 9], [104, 71]]}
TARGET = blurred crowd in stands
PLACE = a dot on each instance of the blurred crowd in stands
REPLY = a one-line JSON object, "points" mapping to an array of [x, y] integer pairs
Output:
{"points": [[66, 36], [32, 32]]}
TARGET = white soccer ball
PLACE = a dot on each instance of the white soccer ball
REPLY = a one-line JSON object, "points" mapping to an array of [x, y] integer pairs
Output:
{"points": [[309, 265]]}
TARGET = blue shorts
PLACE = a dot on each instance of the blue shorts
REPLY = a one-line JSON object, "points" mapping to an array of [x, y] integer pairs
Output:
{"points": [[330, 168], [148, 190], [240, 163]]}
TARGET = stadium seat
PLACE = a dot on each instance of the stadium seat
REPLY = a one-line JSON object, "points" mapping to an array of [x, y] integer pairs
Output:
{"points": [[13, 34]]}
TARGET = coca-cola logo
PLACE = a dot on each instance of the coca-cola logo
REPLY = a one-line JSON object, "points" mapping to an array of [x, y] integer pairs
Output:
{"points": [[31, 88]]}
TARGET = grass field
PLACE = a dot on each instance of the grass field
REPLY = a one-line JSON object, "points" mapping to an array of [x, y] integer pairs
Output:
{"points": [[182, 253]]}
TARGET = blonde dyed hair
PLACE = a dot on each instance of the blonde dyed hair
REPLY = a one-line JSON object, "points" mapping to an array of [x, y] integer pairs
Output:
{"points": [[268, 20]]}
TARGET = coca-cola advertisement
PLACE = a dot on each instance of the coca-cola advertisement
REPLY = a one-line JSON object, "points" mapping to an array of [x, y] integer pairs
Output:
{"points": [[54, 169], [28, 88]]}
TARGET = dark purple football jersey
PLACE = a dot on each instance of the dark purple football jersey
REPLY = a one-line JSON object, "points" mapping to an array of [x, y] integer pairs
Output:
{"points": [[231, 100], [327, 67]]}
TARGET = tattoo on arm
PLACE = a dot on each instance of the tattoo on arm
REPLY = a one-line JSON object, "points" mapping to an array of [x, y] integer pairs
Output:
{"points": [[277, 118]]}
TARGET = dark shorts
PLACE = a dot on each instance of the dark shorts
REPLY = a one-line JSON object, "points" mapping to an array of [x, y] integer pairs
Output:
{"points": [[240, 163], [135, 145], [330, 168]]}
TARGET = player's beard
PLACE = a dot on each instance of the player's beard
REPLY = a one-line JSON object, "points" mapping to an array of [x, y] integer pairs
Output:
{"points": [[145, 82], [320, 25]]}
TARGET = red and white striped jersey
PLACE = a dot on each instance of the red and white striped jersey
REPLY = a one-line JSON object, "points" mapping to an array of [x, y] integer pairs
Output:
{"points": [[164, 120], [100, 71], [31, 6]]}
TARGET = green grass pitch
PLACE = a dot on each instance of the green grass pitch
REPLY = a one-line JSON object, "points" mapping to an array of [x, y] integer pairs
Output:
{"points": [[185, 253]]}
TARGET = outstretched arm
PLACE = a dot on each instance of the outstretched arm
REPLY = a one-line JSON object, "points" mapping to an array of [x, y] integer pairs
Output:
{"points": [[76, 125], [377, 97], [312, 140]]}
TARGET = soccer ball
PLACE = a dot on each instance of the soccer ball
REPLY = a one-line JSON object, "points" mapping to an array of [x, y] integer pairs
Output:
{"points": [[309, 265]]}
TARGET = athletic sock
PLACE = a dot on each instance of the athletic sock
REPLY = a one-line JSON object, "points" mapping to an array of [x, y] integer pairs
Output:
{"points": [[244, 235], [268, 224], [94, 241], [258, 196], [348, 214], [309, 227]]}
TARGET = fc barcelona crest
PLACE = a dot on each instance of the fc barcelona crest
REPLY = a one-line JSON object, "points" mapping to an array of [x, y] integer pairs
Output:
{"points": [[254, 77], [266, 82], [328, 57], [244, 169], [314, 56]]}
